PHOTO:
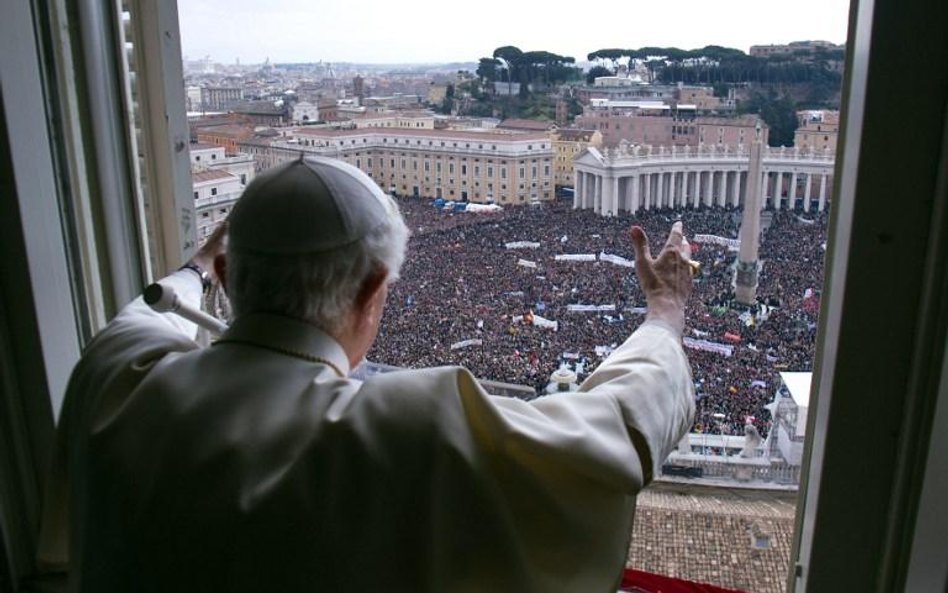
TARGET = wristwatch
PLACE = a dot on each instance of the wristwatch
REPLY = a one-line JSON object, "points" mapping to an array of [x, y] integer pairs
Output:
{"points": [[201, 272]]}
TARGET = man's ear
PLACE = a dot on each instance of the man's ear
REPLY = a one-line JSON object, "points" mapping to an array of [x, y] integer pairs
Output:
{"points": [[220, 270], [371, 288]]}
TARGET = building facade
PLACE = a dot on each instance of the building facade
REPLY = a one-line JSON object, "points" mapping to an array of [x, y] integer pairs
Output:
{"points": [[220, 98], [215, 193], [818, 129], [794, 48], [304, 112], [567, 145], [482, 167], [396, 119], [217, 181], [227, 136], [662, 125]]}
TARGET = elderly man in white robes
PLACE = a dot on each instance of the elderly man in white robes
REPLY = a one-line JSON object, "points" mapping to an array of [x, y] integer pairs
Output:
{"points": [[257, 464]]}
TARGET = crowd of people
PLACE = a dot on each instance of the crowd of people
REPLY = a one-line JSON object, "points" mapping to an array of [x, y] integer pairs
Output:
{"points": [[467, 297]]}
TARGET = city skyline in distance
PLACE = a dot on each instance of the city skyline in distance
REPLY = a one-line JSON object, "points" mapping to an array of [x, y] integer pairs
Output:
{"points": [[424, 31]]}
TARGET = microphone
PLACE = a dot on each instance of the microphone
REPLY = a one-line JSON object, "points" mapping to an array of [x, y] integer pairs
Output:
{"points": [[162, 298]]}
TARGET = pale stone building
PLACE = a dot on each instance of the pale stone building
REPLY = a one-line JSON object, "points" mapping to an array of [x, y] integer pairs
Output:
{"points": [[305, 112], [217, 181], [215, 193], [505, 168], [658, 124], [818, 129], [567, 145]]}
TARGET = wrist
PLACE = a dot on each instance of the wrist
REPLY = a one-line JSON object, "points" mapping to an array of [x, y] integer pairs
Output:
{"points": [[201, 272], [669, 313]]}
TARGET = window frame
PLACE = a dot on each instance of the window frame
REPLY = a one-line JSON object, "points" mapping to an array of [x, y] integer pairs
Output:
{"points": [[835, 528]]}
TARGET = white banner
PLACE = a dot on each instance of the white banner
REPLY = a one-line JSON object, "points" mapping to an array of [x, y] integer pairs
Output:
{"points": [[526, 263], [466, 343], [522, 245], [589, 308], [576, 257], [731, 244], [538, 321], [604, 351], [616, 259], [705, 345], [544, 322]]}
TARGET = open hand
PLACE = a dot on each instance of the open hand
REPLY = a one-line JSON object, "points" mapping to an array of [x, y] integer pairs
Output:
{"points": [[667, 279]]}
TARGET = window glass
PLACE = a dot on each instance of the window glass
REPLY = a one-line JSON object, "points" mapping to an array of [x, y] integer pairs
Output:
{"points": [[749, 356]]}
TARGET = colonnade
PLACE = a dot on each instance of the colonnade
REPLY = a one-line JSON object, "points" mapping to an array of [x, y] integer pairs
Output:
{"points": [[643, 184]]}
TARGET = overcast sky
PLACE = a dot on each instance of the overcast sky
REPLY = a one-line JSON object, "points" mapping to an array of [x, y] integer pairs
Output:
{"points": [[413, 31]]}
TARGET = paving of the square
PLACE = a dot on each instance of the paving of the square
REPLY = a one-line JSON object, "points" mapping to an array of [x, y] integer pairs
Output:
{"points": [[732, 538]]}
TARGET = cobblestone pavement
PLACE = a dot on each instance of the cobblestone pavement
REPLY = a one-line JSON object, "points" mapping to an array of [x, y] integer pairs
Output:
{"points": [[727, 537]]}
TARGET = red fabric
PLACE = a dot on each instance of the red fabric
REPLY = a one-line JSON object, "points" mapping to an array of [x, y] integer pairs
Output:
{"points": [[646, 582]]}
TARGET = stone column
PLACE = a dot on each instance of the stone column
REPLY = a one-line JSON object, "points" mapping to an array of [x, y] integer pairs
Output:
{"points": [[708, 188], [778, 186], [614, 203], [597, 194], [822, 203], [647, 191], [736, 189], [579, 191], [659, 197], [722, 188], [807, 190], [635, 193], [575, 189], [697, 188], [792, 194], [587, 191]]}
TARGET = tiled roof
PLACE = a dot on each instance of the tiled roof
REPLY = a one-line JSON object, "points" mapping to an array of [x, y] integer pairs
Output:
{"points": [[489, 136], [525, 124], [705, 534], [210, 175]]}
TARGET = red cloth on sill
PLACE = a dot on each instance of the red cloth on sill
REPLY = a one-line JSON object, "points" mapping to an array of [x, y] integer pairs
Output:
{"points": [[646, 582]]}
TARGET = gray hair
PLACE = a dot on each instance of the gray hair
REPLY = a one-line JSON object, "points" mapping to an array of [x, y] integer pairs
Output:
{"points": [[320, 287]]}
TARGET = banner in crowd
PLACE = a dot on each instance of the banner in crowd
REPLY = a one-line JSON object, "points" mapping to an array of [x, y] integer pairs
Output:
{"points": [[536, 320], [731, 244], [466, 343], [526, 263], [571, 355], [545, 323], [805, 220], [589, 308], [604, 351], [616, 259], [576, 257], [638, 310], [708, 346], [522, 245]]}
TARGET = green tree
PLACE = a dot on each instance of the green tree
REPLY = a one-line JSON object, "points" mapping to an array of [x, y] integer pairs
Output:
{"points": [[487, 69], [447, 104], [597, 71], [778, 112]]}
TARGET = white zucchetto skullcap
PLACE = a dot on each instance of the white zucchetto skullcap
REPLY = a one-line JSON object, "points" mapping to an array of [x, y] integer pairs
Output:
{"points": [[310, 205]]}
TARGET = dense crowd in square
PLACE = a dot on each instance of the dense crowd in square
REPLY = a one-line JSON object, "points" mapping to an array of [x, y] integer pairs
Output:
{"points": [[463, 285]]}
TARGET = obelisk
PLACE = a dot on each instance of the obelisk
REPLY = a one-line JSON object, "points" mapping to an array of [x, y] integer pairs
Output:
{"points": [[746, 280]]}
